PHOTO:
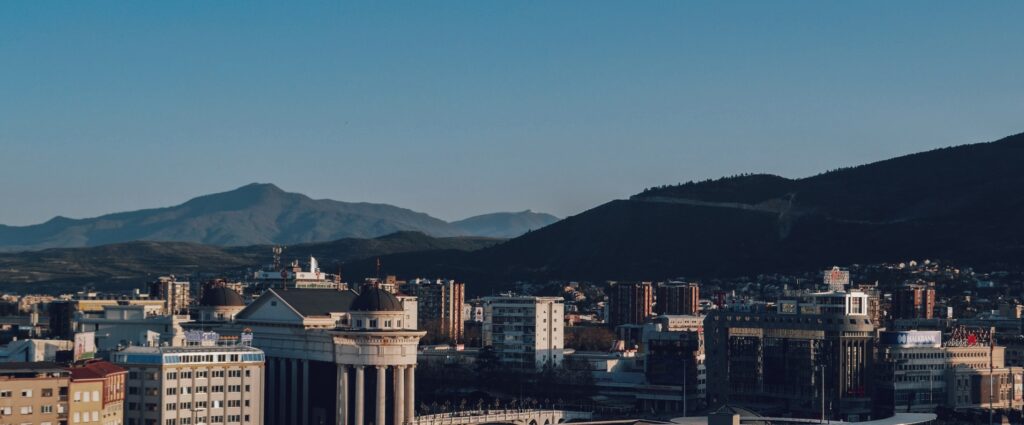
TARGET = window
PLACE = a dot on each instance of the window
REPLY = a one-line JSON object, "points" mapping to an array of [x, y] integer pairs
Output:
{"points": [[85, 397], [172, 391], [47, 392], [5, 393], [26, 393], [172, 375], [95, 416], [234, 388], [48, 408], [26, 410], [171, 406], [78, 396], [76, 418], [218, 373]]}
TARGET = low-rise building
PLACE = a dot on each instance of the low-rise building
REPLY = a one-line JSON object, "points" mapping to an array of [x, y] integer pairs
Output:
{"points": [[96, 391], [34, 393]]}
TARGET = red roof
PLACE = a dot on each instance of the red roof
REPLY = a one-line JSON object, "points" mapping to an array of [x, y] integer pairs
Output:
{"points": [[95, 370]]}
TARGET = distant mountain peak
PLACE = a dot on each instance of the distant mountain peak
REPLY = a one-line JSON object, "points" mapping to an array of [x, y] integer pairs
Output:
{"points": [[504, 224]]}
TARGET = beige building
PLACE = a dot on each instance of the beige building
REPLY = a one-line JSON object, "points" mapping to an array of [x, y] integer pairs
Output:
{"points": [[33, 393], [96, 393], [193, 385]]}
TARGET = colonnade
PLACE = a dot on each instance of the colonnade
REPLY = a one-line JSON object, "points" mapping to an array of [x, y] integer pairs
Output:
{"points": [[404, 385]]}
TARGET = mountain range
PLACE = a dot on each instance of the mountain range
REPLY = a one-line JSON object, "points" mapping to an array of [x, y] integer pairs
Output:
{"points": [[961, 203], [258, 214]]}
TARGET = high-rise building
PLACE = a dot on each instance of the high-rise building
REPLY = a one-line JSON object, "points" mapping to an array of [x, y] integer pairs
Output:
{"points": [[440, 309], [781, 361], [914, 301], [677, 299], [630, 303], [96, 393], [174, 293], [525, 331], [190, 385]]}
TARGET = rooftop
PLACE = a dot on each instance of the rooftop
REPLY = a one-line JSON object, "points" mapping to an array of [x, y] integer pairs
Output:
{"points": [[317, 302]]}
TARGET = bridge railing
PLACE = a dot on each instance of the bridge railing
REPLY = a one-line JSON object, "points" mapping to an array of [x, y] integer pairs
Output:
{"points": [[492, 415]]}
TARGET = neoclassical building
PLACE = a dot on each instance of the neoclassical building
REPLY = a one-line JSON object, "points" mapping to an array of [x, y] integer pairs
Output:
{"points": [[335, 356]]}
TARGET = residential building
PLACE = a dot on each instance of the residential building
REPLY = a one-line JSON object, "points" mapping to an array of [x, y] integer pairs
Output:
{"points": [[175, 294], [525, 331], [440, 305], [914, 301], [676, 298], [193, 385], [34, 393], [96, 392], [630, 303]]}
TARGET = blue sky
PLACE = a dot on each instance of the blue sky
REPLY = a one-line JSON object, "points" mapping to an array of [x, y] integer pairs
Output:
{"points": [[460, 108]]}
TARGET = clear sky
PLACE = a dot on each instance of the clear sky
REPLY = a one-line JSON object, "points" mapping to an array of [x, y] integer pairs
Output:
{"points": [[460, 108]]}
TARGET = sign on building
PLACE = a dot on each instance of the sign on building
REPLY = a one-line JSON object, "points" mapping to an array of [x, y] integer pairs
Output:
{"points": [[912, 339], [85, 345]]}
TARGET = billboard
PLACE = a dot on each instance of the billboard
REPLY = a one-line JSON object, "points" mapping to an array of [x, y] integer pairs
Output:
{"points": [[85, 345], [912, 339]]}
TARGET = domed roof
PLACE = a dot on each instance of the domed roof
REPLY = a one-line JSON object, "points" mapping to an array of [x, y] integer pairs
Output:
{"points": [[376, 299], [220, 296]]}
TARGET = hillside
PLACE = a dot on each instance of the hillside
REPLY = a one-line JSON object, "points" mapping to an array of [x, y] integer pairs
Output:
{"points": [[962, 203], [505, 224], [133, 263], [258, 214]]}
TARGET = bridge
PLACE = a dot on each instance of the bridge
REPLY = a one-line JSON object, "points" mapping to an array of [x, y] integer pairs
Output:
{"points": [[511, 417]]}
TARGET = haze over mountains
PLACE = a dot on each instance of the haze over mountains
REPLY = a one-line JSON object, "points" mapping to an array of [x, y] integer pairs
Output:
{"points": [[257, 214]]}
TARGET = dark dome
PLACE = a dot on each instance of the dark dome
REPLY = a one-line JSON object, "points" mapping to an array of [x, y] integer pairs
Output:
{"points": [[376, 299], [220, 296]]}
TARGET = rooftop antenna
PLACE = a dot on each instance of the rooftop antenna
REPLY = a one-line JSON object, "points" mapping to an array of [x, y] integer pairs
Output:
{"points": [[277, 256], [378, 269]]}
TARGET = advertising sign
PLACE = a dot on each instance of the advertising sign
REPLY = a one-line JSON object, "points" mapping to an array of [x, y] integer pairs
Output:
{"points": [[912, 339], [85, 345]]}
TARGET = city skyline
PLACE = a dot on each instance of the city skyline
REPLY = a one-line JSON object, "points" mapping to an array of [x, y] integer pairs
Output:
{"points": [[470, 108]]}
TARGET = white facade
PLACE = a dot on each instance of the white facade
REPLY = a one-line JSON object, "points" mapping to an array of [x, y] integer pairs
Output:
{"points": [[525, 331], [125, 325], [214, 385]]}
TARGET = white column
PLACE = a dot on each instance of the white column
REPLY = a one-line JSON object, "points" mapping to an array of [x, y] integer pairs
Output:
{"points": [[342, 395], [410, 393], [381, 395], [360, 384], [399, 392]]}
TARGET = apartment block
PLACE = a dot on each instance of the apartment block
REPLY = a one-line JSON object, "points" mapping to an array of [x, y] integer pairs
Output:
{"points": [[193, 385], [525, 331]]}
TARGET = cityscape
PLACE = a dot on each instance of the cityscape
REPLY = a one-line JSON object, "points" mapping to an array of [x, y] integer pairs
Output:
{"points": [[511, 213]]}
